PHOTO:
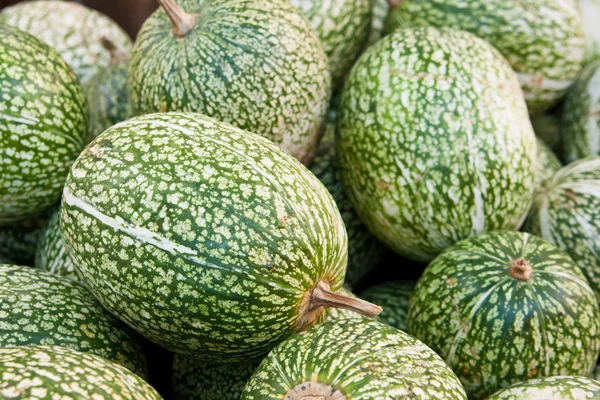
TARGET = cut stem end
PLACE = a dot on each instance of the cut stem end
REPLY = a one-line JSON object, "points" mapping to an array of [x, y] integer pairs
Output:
{"points": [[183, 22], [520, 269], [323, 296]]}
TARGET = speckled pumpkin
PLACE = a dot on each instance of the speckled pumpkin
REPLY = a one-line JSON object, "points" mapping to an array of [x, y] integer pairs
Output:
{"points": [[566, 211], [210, 241], [393, 298], [580, 125], [380, 11], [18, 241], [72, 29], [37, 307], [255, 64], [555, 387], [43, 121], [106, 93], [505, 307], [352, 360], [590, 9], [547, 163], [51, 254], [54, 372], [197, 380], [343, 28], [434, 141], [543, 40], [364, 250]]}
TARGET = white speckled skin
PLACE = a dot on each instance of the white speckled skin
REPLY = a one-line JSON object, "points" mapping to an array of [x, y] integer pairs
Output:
{"points": [[72, 29], [434, 141], [255, 64], [51, 254], [201, 236], [552, 388], [53, 372], [43, 122]]}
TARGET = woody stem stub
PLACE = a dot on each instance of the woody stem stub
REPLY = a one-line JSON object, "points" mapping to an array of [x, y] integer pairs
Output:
{"points": [[520, 269], [183, 22]]}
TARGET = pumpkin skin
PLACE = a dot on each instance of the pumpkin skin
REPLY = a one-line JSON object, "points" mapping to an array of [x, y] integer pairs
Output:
{"points": [[386, 364], [580, 125], [38, 307], [72, 29], [43, 121], [505, 307], [565, 213], [42, 372], [394, 298], [590, 10], [18, 241], [239, 229], [547, 163], [279, 90], [423, 167], [554, 387], [543, 40]]}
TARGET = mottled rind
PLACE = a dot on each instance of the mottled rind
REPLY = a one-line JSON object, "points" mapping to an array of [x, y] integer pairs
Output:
{"points": [[54, 372], [18, 241], [542, 39], [256, 64], [434, 141], [43, 120], [380, 9], [364, 250], [547, 163], [555, 387], [580, 125], [590, 9], [51, 254], [495, 330], [197, 380], [37, 307], [394, 298], [364, 360], [343, 28], [566, 211], [108, 99], [72, 29], [201, 236]]}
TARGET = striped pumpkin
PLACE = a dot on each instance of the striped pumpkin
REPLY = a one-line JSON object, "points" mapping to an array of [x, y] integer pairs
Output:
{"points": [[547, 163], [422, 165], [72, 29], [555, 387], [255, 64], [565, 212], [506, 307], [208, 240], [43, 122]]}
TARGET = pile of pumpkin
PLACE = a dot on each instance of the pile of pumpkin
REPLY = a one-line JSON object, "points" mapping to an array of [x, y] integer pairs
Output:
{"points": [[218, 187]]}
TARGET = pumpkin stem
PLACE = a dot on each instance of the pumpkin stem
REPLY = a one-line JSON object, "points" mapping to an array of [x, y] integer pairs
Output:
{"points": [[322, 296], [520, 269], [116, 55], [395, 3], [183, 22]]}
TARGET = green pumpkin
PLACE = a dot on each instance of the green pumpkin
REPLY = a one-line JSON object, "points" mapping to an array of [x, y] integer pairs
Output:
{"points": [[210, 241], [547, 163], [555, 387], [580, 125], [393, 297], [51, 254], [590, 9], [18, 241], [196, 380], [565, 212], [505, 307], [343, 28], [543, 40], [106, 93], [72, 29], [43, 120], [380, 9], [40, 308], [364, 250], [257, 65], [352, 359], [55, 372], [422, 165]]}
